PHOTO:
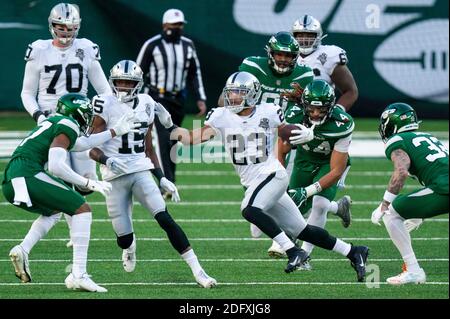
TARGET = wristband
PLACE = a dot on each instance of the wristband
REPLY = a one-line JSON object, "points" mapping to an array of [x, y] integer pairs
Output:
{"points": [[313, 189], [389, 197], [103, 158], [158, 173], [36, 115]]}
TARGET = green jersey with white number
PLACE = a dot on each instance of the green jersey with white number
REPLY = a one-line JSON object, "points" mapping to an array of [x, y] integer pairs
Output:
{"points": [[31, 155], [429, 158], [338, 126], [273, 84]]}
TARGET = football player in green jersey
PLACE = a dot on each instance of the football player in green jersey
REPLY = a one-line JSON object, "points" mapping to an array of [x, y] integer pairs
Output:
{"points": [[322, 155], [29, 186], [424, 157]]}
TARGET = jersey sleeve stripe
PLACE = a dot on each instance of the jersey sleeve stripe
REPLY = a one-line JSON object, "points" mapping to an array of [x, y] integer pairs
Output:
{"points": [[253, 64], [346, 132], [304, 75], [70, 124], [393, 140]]}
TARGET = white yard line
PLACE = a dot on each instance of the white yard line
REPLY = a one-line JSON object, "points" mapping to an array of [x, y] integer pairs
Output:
{"points": [[230, 239]]}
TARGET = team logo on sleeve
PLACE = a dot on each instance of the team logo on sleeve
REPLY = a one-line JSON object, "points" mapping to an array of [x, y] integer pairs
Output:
{"points": [[264, 123], [322, 58], [148, 109], [80, 54]]}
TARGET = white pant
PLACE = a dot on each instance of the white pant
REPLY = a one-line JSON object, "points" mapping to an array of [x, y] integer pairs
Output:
{"points": [[268, 193], [120, 201]]}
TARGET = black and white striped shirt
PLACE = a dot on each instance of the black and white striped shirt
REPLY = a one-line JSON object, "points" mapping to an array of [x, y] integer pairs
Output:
{"points": [[168, 66]]}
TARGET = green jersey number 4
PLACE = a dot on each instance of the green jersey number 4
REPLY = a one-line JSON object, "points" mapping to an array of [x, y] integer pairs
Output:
{"points": [[433, 145]]}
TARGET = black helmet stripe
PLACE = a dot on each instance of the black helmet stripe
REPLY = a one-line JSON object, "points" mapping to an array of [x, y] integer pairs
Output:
{"points": [[67, 10], [126, 66], [305, 20], [234, 77]]}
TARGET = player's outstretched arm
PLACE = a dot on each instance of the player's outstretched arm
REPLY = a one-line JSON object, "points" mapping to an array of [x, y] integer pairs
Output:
{"points": [[193, 137]]}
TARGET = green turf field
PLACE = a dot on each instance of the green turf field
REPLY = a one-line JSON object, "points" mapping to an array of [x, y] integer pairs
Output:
{"points": [[209, 214]]}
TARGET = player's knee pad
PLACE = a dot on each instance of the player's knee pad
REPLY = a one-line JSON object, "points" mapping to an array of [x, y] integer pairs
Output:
{"points": [[125, 241], [176, 235], [250, 213]]}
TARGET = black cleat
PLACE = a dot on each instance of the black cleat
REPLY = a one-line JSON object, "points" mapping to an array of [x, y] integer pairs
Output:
{"points": [[358, 261], [296, 258]]}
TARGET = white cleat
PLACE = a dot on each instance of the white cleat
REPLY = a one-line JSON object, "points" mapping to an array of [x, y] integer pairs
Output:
{"points": [[83, 283], [255, 231], [69, 244], [129, 257], [275, 251], [204, 280], [19, 259], [343, 211], [408, 277]]}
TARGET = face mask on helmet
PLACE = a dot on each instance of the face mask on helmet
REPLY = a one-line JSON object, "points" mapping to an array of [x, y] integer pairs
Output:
{"points": [[282, 51], [242, 90], [317, 114], [64, 23], [126, 80], [283, 62], [307, 30]]}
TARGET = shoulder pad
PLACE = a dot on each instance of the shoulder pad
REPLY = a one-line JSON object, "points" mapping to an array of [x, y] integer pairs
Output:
{"points": [[336, 55], [339, 125], [34, 48]]}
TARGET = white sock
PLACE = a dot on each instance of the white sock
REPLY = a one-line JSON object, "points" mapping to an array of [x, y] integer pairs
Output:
{"points": [[318, 217], [68, 220], [283, 240], [191, 259], [401, 238], [333, 207], [40, 227], [80, 234], [342, 247]]}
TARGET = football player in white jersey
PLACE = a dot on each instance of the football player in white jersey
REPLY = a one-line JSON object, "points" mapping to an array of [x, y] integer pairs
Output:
{"points": [[248, 132], [128, 163], [59, 66], [329, 62]]}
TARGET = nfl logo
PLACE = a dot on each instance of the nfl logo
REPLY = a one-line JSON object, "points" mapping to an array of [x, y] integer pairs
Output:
{"points": [[278, 82]]}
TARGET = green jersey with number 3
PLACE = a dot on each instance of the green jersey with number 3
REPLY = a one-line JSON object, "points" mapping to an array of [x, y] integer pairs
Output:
{"points": [[31, 155], [429, 158], [339, 125], [273, 84]]}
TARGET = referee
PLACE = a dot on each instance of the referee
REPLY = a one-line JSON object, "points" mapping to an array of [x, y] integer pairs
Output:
{"points": [[169, 62]]}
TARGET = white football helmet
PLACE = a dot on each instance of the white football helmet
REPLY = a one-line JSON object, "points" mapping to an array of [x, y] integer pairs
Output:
{"points": [[129, 71], [242, 90], [308, 24], [68, 15]]}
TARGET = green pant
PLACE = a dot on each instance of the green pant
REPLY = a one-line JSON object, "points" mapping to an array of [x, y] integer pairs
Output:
{"points": [[48, 194], [422, 203], [306, 173]]}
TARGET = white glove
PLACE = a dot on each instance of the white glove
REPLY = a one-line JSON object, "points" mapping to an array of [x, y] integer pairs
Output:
{"points": [[163, 115], [302, 136], [116, 165], [170, 187], [126, 124], [412, 224], [377, 215], [99, 186]]}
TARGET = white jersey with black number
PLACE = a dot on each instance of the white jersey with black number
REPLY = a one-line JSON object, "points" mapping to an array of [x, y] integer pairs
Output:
{"points": [[323, 61], [249, 140], [61, 71], [129, 147]]}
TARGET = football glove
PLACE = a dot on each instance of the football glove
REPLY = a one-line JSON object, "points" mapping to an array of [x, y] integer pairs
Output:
{"points": [[412, 224], [126, 124], [116, 165], [99, 186], [298, 195], [377, 215], [302, 136], [170, 187]]}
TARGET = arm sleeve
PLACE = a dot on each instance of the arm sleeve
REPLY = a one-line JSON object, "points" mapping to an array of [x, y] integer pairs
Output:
{"points": [[57, 166], [195, 76], [30, 87], [343, 145], [98, 78], [85, 143]]}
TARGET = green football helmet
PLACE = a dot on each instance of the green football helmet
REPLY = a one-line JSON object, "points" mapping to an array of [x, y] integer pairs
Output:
{"points": [[283, 42], [397, 118], [320, 95], [77, 107]]}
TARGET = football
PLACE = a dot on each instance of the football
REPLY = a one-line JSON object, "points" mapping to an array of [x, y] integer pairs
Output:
{"points": [[286, 131]]}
